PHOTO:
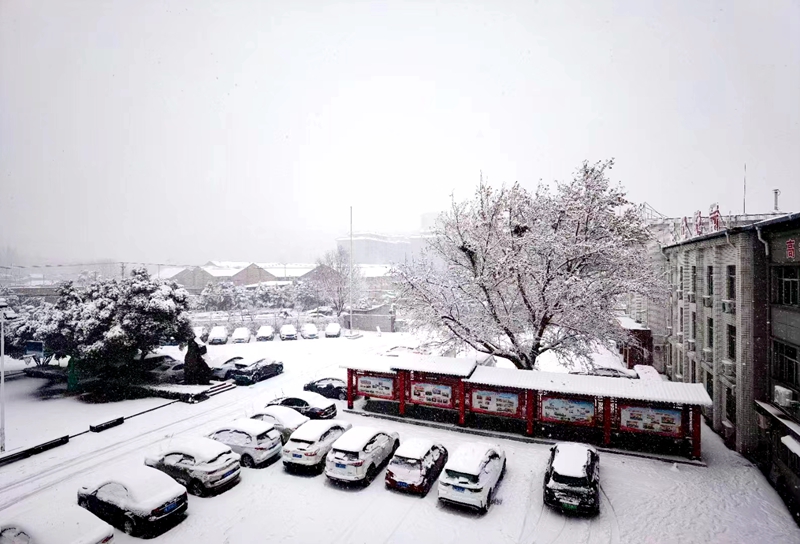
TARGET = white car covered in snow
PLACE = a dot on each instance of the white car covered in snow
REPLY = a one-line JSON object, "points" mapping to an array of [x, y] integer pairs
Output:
{"points": [[308, 445], [265, 333], [240, 336], [285, 420], [288, 332], [218, 335], [67, 523], [201, 464], [471, 475], [309, 331], [358, 454], [256, 441], [135, 499], [333, 330]]}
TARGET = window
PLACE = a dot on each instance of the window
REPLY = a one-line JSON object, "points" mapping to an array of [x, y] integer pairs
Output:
{"points": [[785, 364], [731, 342], [709, 280], [731, 283], [710, 333], [730, 405], [710, 385], [680, 325], [694, 325], [680, 278], [694, 280], [786, 285]]}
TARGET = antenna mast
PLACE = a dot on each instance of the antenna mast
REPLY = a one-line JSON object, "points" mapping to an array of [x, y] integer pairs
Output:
{"points": [[744, 194]]}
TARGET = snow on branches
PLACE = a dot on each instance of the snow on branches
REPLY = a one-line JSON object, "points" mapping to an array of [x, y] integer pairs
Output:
{"points": [[516, 274]]}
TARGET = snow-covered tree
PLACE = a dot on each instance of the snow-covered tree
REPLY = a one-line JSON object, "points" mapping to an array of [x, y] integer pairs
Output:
{"points": [[518, 274], [331, 280]]}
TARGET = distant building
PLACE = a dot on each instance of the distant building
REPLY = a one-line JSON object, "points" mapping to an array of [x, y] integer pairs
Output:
{"points": [[288, 271], [373, 248]]}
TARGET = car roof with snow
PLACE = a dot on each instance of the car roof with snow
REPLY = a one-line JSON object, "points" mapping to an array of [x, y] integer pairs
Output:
{"points": [[249, 426], [241, 330], [312, 430], [416, 448], [333, 326], [309, 326], [571, 459], [287, 326], [219, 329], [467, 458], [69, 523], [315, 400], [265, 329], [355, 439], [287, 416], [201, 448], [149, 488]]}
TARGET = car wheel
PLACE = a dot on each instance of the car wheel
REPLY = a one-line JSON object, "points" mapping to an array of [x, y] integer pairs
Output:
{"points": [[372, 471], [396, 445], [342, 396], [485, 507], [82, 502], [129, 526], [247, 461], [196, 488], [503, 470], [228, 375]]}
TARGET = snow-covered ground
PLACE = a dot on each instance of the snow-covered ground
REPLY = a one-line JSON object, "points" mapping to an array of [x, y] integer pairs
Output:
{"points": [[642, 501]]}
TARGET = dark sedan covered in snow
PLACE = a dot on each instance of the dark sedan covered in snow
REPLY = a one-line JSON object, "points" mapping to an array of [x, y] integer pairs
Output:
{"points": [[572, 478], [331, 388], [312, 405], [249, 371]]}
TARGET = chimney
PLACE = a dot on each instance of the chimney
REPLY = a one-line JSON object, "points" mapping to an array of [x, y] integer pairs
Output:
{"points": [[776, 192]]}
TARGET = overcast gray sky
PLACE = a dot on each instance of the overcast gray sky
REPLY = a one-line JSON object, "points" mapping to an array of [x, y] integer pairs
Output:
{"points": [[197, 130]]}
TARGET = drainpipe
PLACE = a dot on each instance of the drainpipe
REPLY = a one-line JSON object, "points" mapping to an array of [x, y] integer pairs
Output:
{"points": [[761, 239]]}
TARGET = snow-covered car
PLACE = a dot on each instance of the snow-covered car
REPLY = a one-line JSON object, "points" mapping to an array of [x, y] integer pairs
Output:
{"points": [[168, 372], [285, 420], [201, 333], [647, 372], [358, 454], [253, 370], [241, 335], [333, 330], [288, 332], [332, 388], [218, 335], [265, 333], [572, 478], [200, 464], [256, 441], [308, 445], [471, 475], [135, 499], [610, 372], [309, 331], [416, 465], [223, 371], [67, 523], [309, 404]]}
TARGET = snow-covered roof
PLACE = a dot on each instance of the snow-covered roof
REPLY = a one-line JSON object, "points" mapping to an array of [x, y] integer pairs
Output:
{"points": [[647, 372], [287, 416], [67, 524], [169, 272], [571, 459], [149, 488], [416, 448], [432, 364], [468, 457], [222, 272], [371, 364], [579, 384], [792, 444], [228, 264], [355, 439], [201, 448], [249, 426], [312, 430], [288, 270], [630, 324], [374, 270]]}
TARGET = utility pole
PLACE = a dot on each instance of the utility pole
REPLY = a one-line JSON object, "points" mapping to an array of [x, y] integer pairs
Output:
{"points": [[744, 194], [351, 270]]}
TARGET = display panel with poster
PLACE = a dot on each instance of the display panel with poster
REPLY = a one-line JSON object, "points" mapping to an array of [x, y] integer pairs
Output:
{"points": [[562, 410], [432, 393], [493, 402], [373, 386], [651, 420]]}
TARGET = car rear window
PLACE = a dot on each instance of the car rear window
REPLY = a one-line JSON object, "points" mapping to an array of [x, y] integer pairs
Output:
{"points": [[346, 455], [570, 480], [296, 441], [406, 463], [455, 475], [263, 437]]}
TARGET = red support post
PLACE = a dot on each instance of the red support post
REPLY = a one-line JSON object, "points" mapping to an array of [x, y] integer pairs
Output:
{"points": [[606, 421], [401, 393], [462, 406], [529, 401], [350, 380], [696, 432]]}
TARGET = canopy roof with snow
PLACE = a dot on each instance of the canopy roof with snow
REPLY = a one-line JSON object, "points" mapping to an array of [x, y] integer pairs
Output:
{"points": [[630, 324], [468, 457], [371, 364], [576, 384], [433, 364]]}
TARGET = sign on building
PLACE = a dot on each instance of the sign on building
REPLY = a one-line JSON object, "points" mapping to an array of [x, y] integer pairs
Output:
{"points": [[432, 393], [561, 410], [371, 386], [495, 403], [654, 420]]}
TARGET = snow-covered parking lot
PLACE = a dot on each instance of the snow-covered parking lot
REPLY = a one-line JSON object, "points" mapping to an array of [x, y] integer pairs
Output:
{"points": [[642, 500]]}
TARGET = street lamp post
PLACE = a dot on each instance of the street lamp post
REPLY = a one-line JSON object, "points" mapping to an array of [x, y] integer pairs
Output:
{"points": [[5, 311]]}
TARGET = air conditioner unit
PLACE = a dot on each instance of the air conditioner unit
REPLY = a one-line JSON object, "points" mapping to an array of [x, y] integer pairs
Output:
{"points": [[679, 293], [690, 345], [708, 301], [691, 298], [729, 368], [782, 396], [669, 330], [729, 306], [707, 355], [680, 336]]}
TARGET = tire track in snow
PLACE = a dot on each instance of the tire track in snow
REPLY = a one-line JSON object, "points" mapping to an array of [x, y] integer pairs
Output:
{"points": [[614, 520]]}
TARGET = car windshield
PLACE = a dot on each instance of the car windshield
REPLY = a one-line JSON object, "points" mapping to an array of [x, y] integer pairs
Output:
{"points": [[455, 475], [570, 480]]}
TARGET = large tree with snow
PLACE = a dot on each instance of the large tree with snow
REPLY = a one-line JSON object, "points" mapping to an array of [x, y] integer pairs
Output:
{"points": [[333, 280], [517, 274]]}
